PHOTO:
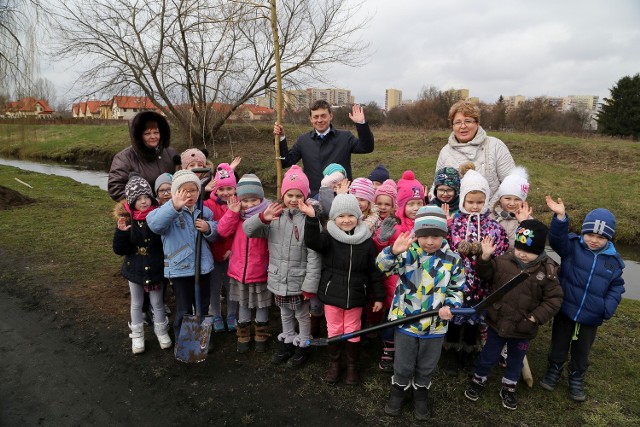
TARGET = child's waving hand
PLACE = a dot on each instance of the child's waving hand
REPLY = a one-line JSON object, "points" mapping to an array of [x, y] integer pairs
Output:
{"points": [[402, 243], [488, 248], [556, 207]]}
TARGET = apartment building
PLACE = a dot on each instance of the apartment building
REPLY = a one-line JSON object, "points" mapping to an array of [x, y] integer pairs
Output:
{"points": [[392, 99]]}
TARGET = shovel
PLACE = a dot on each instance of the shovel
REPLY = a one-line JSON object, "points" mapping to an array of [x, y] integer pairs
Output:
{"points": [[192, 344], [482, 305]]}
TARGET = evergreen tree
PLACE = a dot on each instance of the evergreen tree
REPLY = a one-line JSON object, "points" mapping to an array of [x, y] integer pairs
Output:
{"points": [[620, 114]]}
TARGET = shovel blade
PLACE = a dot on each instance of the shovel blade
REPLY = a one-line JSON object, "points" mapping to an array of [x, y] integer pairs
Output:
{"points": [[192, 345]]}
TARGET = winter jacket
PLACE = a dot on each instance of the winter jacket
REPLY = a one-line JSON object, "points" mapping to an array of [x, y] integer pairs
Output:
{"points": [[249, 258], [222, 244], [142, 251], [465, 227], [349, 271], [179, 233], [293, 268], [316, 153], [149, 163], [539, 295], [490, 156], [425, 282], [592, 281]]}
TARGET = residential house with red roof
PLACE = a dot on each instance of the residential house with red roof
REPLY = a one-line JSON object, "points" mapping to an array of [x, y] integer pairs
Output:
{"points": [[28, 107], [252, 112]]}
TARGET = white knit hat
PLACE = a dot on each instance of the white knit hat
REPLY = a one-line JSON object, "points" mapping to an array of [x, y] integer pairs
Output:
{"points": [[515, 184], [345, 204], [474, 181], [182, 177]]}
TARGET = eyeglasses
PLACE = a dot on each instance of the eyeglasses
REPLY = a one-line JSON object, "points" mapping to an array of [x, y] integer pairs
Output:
{"points": [[444, 191], [190, 192], [466, 122], [164, 191]]}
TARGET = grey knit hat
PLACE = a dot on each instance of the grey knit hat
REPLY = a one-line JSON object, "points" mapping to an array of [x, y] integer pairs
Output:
{"points": [[182, 177], [249, 186], [136, 186], [345, 204], [165, 178], [430, 221]]}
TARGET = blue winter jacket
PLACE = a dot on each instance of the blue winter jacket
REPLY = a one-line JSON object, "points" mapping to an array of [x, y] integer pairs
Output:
{"points": [[592, 281], [178, 232]]}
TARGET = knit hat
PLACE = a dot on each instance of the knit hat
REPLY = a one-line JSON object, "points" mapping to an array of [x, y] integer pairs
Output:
{"points": [[515, 184], [363, 188], [409, 188], [430, 221], [531, 236], [334, 167], [388, 188], [600, 221], [474, 181], [182, 177], [449, 177], [380, 174], [165, 178], [249, 186], [137, 186], [332, 179], [295, 179], [344, 204], [191, 155], [224, 177]]}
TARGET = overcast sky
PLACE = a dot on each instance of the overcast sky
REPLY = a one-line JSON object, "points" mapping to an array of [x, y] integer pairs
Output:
{"points": [[492, 48]]}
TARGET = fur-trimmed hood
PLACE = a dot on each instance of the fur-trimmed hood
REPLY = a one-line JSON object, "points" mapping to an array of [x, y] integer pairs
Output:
{"points": [[137, 127]]}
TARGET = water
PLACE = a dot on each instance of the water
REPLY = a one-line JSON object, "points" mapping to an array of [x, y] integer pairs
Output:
{"points": [[631, 254]]}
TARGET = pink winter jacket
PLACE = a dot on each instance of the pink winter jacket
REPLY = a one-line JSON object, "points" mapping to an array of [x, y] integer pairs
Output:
{"points": [[222, 244], [249, 260]]}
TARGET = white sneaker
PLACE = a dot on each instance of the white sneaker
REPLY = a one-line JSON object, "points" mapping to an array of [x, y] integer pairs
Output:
{"points": [[137, 338]]}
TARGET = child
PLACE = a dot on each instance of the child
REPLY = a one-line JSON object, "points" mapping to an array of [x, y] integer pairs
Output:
{"points": [[446, 189], [386, 199], [466, 232], [223, 189], [248, 264], [410, 200], [591, 278], [364, 191], [514, 320], [349, 273], [162, 188], [431, 277], [294, 270], [511, 207], [379, 175], [177, 222], [142, 266]]}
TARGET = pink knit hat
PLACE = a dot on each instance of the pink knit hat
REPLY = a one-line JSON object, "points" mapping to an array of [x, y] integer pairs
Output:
{"points": [[224, 177], [409, 188], [388, 188], [363, 188], [190, 155], [295, 179]]}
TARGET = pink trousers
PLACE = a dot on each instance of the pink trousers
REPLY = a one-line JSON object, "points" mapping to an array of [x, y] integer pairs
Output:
{"points": [[341, 321]]}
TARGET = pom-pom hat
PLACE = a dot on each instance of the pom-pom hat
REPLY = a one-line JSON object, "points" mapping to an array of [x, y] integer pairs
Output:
{"points": [[295, 179], [363, 188], [600, 221], [225, 177], [531, 236], [409, 188], [515, 184], [430, 221]]}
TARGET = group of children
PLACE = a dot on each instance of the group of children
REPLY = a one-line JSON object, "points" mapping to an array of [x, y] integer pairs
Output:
{"points": [[369, 251]]}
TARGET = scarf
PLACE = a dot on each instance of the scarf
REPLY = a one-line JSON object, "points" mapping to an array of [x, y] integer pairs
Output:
{"points": [[258, 209], [354, 237], [139, 215]]}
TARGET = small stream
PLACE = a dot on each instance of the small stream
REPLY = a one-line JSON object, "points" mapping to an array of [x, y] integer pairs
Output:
{"points": [[98, 178]]}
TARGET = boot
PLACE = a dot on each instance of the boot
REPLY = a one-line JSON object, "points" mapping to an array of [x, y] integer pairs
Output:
{"points": [[262, 335], [299, 357], [421, 408], [316, 323], [576, 386], [476, 385], [388, 352], [162, 332], [353, 357], [508, 395], [333, 371], [396, 400], [137, 338], [283, 352], [243, 332], [551, 378]]}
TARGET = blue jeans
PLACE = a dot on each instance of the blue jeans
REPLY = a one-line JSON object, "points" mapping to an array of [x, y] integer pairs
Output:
{"points": [[490, 354], [184, 291]]}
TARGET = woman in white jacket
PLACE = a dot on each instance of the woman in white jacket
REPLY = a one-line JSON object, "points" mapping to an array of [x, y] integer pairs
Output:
{"points": [[469, 142]]}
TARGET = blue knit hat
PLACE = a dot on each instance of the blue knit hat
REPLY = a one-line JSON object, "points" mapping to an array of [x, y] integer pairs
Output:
{"points": [[379, 174], [430, 221], [334, 167], [600, 221], [449, 177], [249, 186]]}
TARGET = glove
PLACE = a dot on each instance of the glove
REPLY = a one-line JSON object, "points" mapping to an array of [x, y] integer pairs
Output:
{"points": [[387, 229]]}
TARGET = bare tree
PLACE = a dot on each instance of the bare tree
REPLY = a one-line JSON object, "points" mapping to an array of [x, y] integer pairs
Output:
{"points": [[187, 55]]}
